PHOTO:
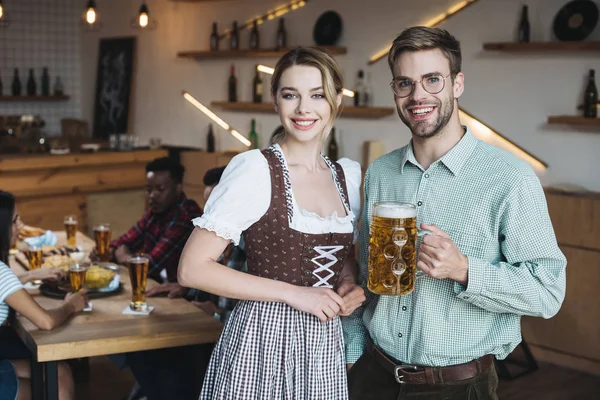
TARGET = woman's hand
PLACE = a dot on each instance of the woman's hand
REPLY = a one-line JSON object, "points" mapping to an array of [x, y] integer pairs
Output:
{"points": [[43, 274], [353, 296], [323, 303], [78, 300]]}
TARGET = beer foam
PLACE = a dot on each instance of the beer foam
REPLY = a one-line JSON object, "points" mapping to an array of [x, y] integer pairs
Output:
{"points": [[138, 259], [396, 212]]}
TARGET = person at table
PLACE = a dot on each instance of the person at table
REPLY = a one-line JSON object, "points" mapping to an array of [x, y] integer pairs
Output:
{"points": [[234, 257], [163, 230], [15, 369]]}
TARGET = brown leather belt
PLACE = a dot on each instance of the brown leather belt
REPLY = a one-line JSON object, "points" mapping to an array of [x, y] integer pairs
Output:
{"points": [[418, 375]]}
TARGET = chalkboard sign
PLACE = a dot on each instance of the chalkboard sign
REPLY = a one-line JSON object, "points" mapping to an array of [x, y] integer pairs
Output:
{"points": [[113, 86]]}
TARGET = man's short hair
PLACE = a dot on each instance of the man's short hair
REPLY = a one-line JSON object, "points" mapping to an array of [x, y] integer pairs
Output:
{"points": [[213, 176], [167, 164]]}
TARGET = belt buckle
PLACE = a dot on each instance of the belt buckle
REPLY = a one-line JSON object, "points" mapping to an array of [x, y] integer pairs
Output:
{"points": [[400, 368]]}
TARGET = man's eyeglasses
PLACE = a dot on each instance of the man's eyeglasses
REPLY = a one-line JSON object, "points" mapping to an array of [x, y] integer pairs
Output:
{"points": [[432, 84]]}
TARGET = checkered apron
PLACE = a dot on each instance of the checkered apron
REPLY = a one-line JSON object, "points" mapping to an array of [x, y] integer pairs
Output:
{"points": [[269, 350]]}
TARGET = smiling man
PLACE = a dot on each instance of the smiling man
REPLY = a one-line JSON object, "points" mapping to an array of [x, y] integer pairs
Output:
{"points": [[165, 227], [492, 256]]}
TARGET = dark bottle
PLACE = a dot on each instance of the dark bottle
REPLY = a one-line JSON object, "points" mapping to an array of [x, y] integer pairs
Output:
{"points": [[332, 147], [359, 90], [234, 37], [59, 89], [210, 140], [31, 86], [1, 88], [16, 84], [253, 136], [257, 87], [281, 40], [214, 38], [590, 99], [45, 82], [232, 86], [254, 36], [524, 26]]}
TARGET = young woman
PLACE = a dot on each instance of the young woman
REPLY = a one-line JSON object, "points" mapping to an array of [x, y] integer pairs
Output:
{"points": [[15, 373], [297, 211]]}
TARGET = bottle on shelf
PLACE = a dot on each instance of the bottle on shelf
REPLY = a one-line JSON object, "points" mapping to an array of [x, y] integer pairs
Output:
{"points": [[257, 87], [210, 140], [45, 82], [359, 90], [368, 91], [16, 84], [253, 136], [254, 36], [234, 38], [31, 86], [590, 99], [524, 28], [232, 86], [59, 89], [281, 39], [332, 146], [1, 88], [214, 38]]}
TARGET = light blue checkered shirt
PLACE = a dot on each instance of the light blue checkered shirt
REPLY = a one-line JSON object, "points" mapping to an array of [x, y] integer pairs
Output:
{"points": [[493, 207]]}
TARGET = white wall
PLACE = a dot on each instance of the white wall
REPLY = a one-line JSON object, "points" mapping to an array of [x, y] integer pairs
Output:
{"points": [[511, 93]]}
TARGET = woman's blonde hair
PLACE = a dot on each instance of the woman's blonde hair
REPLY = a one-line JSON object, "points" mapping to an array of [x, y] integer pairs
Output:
{"points": [[330, 71]]}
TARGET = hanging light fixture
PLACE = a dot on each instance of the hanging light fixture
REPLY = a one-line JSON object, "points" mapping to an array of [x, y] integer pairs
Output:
{"points": [[1, 10], [3, 17], [90, 19], [143, 20]]}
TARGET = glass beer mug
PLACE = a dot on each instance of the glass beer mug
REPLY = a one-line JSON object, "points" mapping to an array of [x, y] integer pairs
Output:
{"points": [[392, 248]]}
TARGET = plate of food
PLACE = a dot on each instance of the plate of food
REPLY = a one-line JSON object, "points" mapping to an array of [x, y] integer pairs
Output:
{"points": [[101, 280]]}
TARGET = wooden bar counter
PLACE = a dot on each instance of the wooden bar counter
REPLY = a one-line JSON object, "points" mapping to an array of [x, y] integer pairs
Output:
{"points": [[572, 337], [48, 187]]}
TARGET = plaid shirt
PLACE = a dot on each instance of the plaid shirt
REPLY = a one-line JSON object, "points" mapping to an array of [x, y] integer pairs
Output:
{"points": [[162, 237], [493, 207]]}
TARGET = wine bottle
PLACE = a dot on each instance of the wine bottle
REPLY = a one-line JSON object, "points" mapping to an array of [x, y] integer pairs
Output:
{"points": [[59, 89], [232, 86], [214, 38], [257, 87], [590, 99], [524, 26], [332, 147], [359, 90], [210, 140], [234, 38], [45, 82], [253, 136], [254, 36], [16, 84], [31, 86], [281, 40]]}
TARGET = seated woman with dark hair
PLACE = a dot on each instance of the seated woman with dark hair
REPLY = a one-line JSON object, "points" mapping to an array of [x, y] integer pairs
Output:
{"points": [[14, 370]]}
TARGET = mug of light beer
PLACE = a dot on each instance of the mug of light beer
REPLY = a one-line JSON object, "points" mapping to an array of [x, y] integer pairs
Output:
{"points": [[102, 237], [34, 257], [77, 276], [138, 275], [392, 248], [71, 229]]}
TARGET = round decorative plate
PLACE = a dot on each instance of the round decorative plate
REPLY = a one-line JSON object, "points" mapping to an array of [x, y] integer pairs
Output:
{"points": [[328, 29], [575, 20]]}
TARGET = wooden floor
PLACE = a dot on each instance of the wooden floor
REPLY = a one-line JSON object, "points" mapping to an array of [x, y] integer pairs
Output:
{"points": [[107, 382]]}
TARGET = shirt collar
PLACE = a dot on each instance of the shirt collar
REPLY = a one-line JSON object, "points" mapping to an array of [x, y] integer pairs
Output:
{"points": [[454, 159], [176, 208]]}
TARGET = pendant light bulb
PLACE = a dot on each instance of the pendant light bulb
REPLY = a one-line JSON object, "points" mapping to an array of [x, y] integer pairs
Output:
{"points": [[1, 10], [143, 18], [90, 13]]}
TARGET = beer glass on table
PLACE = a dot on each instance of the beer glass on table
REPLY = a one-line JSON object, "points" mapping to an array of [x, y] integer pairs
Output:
{"points": [[138, 275], [102, 237], [77, 276], [34, 257], [71, 230], [392, 248]]}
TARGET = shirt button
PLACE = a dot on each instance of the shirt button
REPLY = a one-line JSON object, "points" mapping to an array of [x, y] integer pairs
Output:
{"points": [[400, 335], [419, 203], [426, 175], [403, 308]]}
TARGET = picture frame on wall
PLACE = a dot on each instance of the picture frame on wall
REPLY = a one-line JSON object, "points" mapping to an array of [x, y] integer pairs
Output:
{"points": [[114, 86]]}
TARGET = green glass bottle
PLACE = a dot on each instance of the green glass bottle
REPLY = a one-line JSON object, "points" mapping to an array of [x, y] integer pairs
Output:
{"points": [[253, 136]]}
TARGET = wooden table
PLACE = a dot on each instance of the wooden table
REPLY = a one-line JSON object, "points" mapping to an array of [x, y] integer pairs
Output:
{"points": [[105, 330]]}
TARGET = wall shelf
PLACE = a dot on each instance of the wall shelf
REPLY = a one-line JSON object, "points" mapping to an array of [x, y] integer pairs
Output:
{"points": [[347, 111], [249, 53], [542, 46], [34, 98], [573, 120]]}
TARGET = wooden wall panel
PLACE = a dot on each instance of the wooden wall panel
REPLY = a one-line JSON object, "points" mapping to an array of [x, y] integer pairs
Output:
{"points": [[35, 211], [121, 209], [196, 164], [576, 218]]}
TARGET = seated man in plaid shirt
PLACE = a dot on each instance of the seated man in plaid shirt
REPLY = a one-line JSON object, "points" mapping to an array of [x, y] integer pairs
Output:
{"points": [[165, 227]]}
